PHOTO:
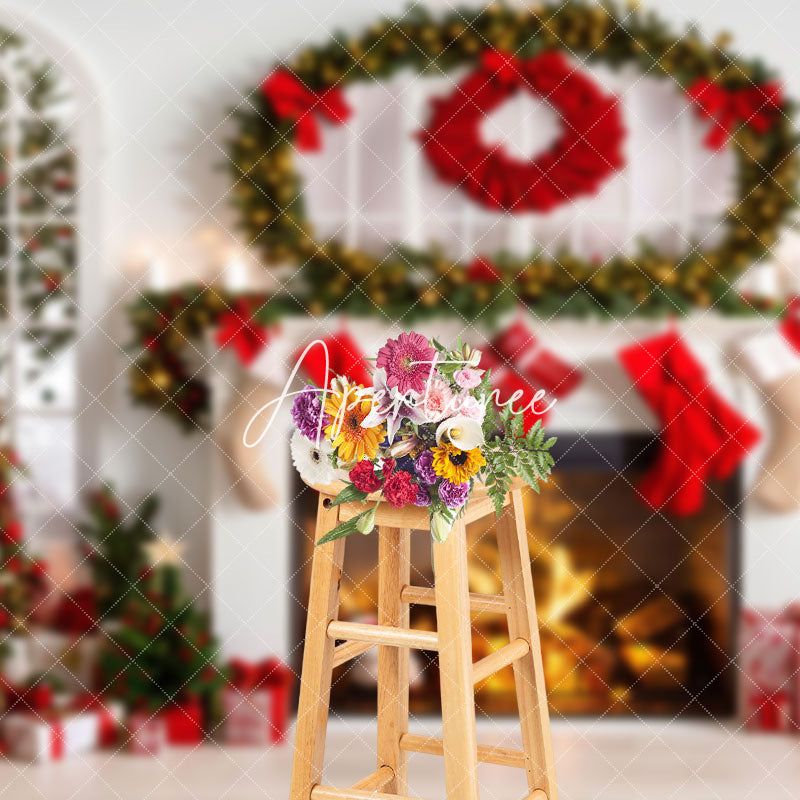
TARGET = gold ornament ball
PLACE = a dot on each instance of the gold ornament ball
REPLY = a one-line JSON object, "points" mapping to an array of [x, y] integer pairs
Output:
{"points": [[161, 379], [430, 297], [470, 44]]}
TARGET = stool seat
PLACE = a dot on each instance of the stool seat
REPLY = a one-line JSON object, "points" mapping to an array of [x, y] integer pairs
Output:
{"points": [[330, 642], [412, 517]]}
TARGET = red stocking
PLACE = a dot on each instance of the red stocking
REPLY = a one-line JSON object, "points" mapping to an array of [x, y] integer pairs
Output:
{"points": [[346, 358], [701, 434], [519, 362]]}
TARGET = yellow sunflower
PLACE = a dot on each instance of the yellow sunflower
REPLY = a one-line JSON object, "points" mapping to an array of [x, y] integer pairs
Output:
{"points": [[457, 466], [347, 410]]}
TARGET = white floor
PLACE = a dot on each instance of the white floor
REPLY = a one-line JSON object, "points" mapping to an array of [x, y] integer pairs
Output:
{"points": [[595, 759]]}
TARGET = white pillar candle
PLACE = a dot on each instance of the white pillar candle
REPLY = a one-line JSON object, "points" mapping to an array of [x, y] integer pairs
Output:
{"points": [[236, 275]]}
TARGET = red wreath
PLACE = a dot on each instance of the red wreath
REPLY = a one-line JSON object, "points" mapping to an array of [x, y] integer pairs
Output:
{"points": [[588, 150]]}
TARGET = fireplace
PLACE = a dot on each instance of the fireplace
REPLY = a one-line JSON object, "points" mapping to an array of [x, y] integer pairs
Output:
{"points": [[637, 610]]}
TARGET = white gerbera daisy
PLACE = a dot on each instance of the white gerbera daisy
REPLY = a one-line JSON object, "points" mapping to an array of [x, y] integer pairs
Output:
{"points": [[312, 462]]}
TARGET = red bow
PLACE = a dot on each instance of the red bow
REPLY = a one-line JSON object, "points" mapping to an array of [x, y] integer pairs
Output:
{"points": [[505, 68], [238, 329], [756, 106], [294, 101], [247, 676], [36, 699], [482, 270]]}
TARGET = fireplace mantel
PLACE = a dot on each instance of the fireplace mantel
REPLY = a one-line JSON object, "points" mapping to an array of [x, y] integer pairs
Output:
{"points": [[251, 557]]}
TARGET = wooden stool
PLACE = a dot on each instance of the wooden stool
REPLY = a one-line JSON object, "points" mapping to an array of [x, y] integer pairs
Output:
{"points": [[453, 641]]}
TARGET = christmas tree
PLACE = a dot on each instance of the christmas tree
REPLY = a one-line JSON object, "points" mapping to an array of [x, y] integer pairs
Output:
{"points": [[163, 652], [118, 556], [21, 577]]}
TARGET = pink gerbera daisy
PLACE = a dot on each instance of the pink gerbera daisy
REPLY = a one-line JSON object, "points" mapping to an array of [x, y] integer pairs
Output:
{"points": [[407, 361]]}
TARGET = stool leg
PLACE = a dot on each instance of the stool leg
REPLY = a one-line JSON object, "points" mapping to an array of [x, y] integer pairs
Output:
{"points": [[512, 543], [455, 665], [394, 572], [315, 681]]}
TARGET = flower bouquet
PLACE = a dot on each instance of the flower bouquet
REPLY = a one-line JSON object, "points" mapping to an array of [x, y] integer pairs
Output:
{"points": [[426, 430]]}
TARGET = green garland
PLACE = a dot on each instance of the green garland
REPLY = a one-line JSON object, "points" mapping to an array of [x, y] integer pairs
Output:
{"points": [[405, 283]]}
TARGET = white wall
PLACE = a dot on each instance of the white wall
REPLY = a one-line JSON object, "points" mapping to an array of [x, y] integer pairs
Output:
{"points": [[167, 75]]}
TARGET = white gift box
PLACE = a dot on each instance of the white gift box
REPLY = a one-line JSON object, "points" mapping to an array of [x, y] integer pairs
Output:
{"points": [[34, 738], [247, 717]]}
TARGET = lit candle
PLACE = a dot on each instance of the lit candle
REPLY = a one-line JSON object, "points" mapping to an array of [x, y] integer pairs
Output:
{"points": [[158, 274], [236, 275]]}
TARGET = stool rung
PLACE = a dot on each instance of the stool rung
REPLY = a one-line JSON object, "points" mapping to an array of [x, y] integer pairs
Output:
{"points": [[375, 782], [330, 793], [494, 662], [486, 603], [504, 756], [344, 652], [383, 634]]}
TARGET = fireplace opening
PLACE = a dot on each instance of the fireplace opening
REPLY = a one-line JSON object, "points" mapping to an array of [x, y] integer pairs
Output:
{"points": [[637, 610]]}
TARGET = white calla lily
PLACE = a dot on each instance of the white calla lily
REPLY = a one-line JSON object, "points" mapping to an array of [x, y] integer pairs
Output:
{"points": [[440, 528], [462, 432]]}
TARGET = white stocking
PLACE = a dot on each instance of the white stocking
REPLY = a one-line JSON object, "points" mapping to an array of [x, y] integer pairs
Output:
{"points": [[247, 466], [775, 368]]}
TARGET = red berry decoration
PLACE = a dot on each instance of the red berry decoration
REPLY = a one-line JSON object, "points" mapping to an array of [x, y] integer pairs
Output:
{"points": [[587, 152]]}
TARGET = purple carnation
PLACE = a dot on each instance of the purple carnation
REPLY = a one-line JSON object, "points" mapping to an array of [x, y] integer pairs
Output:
{"points": [[307, 410], [423, 466], [423, 497], [454, 495]]}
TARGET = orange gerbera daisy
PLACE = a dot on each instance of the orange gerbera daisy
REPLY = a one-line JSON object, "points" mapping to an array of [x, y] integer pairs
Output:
{"points": [[347, 410]]}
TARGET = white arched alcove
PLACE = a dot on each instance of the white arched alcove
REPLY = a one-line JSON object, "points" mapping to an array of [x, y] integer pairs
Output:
{"points": [[55, 229]]}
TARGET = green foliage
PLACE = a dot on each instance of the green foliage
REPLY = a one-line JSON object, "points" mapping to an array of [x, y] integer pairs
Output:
{"points": [[163, 651], [117, 541], [509, 452], [348, 495], [21, 577], [345, 528]]}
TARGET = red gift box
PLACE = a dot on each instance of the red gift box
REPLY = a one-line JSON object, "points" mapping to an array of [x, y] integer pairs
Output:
{"points": [[184, 722], [768, 668], [256, 702]]}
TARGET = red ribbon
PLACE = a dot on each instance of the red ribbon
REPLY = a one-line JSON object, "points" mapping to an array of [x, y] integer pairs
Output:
{"points": [[239, 330], [756, 106], [57, 740], [295, 102]]}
